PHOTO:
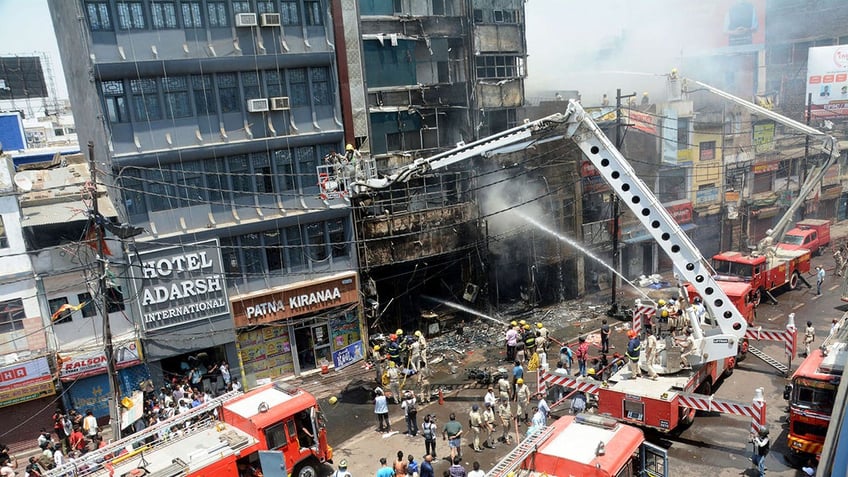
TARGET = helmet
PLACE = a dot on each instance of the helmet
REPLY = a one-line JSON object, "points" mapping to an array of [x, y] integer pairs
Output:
{"points": [[349, 147], [392, 364], [697, 299], [519, 381], [631, 334], [526, 326], [661, 302], [513, 323], [333, 400], [475, 407], [664, 314], [393, 337], [399, 332], [417, 333], [376, 347], [343, 463], [590, 371], [539, 325], [522, 322]]}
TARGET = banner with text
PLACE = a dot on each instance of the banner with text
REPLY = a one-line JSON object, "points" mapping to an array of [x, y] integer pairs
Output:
{"points": [[25, 381], [181, 285], [827, 80], [94, 362]]}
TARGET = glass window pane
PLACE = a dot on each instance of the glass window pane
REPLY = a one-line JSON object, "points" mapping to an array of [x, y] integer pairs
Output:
{"points": [[55, 304], [240, 175], [284, 171], [314, 15], [317, 242], [321, 93], [228, 92], [204, 101], [306, 166], [250, 84], [289, 13], [88, 309], [217, 13], [273, 250], [338, 238], [298, 91], [294, 247]]}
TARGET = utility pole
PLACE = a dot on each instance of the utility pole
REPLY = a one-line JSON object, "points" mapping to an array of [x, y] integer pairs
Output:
{"points": [[101, 297], [615, 203], [802, 174]]}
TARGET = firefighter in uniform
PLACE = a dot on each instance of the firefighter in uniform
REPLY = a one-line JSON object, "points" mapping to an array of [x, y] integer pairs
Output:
{"points": [[422, 342], [542, 339], [634, 347], [378, 358], [529, 339], [394, 349], [394, 381]]}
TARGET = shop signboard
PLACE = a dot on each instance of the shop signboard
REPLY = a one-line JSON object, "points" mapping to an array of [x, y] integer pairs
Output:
{"points": [[86, 364], [706, 196], [296, 300], [181, 285], [348, 355], [25, 381]]}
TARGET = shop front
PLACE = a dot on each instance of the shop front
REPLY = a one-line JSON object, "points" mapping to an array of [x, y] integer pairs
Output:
{"points": [[185, 313], [27, 401], [86, 382], [298, 328]]}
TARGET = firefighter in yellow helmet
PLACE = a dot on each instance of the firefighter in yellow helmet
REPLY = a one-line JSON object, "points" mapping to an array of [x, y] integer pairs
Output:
{"points": [[351, 154], [377, 359], [542, 340]]}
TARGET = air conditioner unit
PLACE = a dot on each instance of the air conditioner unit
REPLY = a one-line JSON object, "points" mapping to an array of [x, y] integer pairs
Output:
{"points": [[257, 105], [245, 19], [270, 19], [280, 103]]}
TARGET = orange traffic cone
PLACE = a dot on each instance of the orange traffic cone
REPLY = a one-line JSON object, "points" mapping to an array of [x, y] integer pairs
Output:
{"points": [[441, 398]]}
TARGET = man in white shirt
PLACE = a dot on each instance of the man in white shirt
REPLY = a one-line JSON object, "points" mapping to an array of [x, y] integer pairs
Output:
{"points": [[489, 398], [89, 424]]}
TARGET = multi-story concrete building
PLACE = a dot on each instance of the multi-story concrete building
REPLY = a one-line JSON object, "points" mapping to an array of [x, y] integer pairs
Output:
{"points": [[436, 74], [210, 118]]}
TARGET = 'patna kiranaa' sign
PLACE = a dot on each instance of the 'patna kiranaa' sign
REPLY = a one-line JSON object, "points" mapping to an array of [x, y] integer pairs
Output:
{"points": [[182, 284]]}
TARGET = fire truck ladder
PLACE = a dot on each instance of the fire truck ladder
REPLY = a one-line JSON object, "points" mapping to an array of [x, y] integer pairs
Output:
{"points": [[517, 456], [769, 360], [788, 337], [97, 459]]}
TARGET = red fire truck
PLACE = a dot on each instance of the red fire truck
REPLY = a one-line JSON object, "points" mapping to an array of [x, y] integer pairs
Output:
{"points": [[273, 430], [766, 273], [585, 445], [812, 393]]}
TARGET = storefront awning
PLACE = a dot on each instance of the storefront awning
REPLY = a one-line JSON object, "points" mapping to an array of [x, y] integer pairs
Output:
{"points": [[646, 236]]}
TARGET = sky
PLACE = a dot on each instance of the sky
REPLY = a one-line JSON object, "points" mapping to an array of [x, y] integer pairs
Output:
{"points": [[25, 28], [594, 46]]}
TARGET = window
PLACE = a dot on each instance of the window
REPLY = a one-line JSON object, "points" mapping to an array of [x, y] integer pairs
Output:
{"points": [[497, 67], [298, 91], [192, 14], [275, 436], [285, 171], [217, 14], [88, 308], [317, 242], [338, 238], [254, 255], [438, 7], [177, 104], [98, 16], [321, 93], [478, 15], [163, 15], [240, 176], [294, 246], [116, 101], [265, 7], [288, 13], [12, 315], [313, 12], [274, 251], [263, 178], [250, 85], [306, 167], [228, 92], [275, 83], [145, 99], [204, 101], [133, 192], [55, 304], [160, 189], [131, 15], [707, 150], [114, 300], [241, 7], [4, 240], [189, 180], [683, 133]]}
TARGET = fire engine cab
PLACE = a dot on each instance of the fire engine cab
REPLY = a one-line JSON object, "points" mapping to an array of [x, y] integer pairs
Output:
{"points": [[273, 430]]}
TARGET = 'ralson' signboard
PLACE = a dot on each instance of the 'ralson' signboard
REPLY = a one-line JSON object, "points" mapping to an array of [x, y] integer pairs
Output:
{"points": [[289, 302]]}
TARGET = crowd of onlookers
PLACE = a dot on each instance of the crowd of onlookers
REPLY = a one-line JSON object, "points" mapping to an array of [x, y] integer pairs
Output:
{"points": [[75, 434]]}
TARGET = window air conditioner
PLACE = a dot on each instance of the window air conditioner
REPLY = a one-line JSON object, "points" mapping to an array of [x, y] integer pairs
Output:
{"points": [[257, 105], [245, 19], [270, 19], [280, 103]]}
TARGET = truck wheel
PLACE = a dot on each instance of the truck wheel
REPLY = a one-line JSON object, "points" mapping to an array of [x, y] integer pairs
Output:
{"points": [[793, 281], [307, 469]]}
